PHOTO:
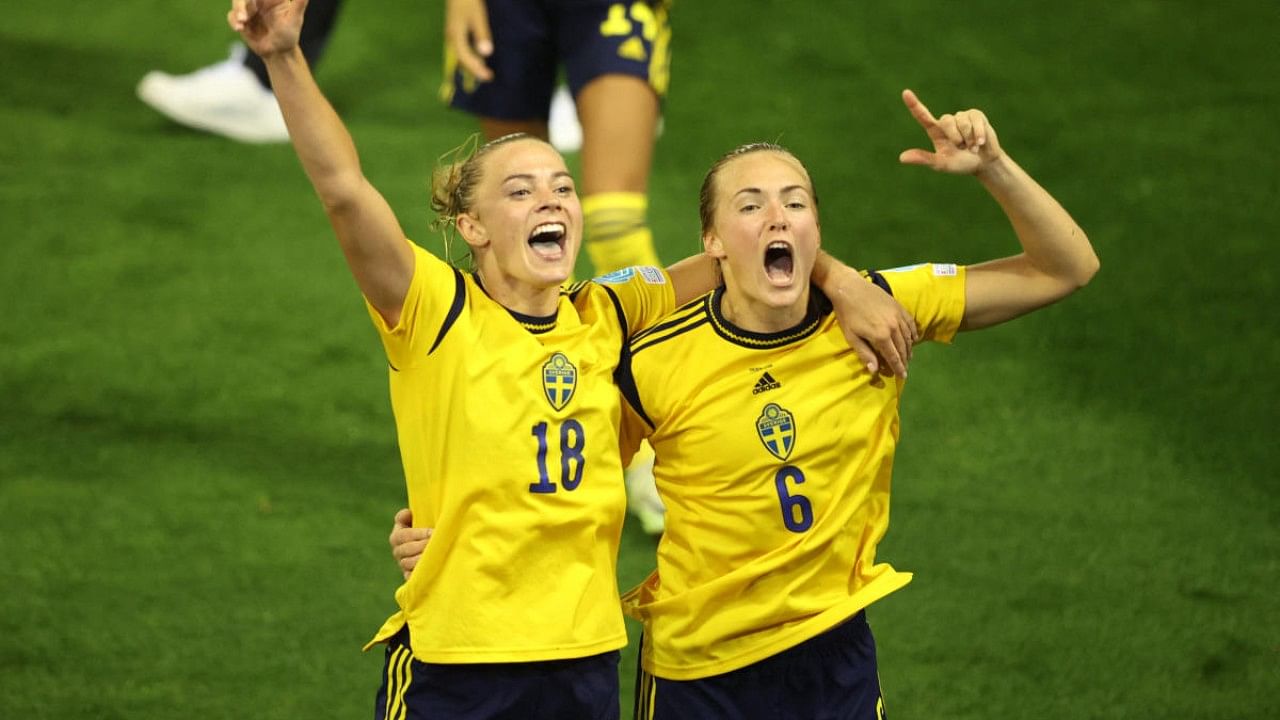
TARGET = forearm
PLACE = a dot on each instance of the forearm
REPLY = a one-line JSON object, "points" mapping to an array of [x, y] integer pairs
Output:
{"points": [[693, 276], [1052, 243], [1056, 258], [832, 276], [323, 145], [367, 230]]}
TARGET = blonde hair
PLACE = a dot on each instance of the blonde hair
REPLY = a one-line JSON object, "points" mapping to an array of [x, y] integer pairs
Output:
{"points": [[453, 185]]}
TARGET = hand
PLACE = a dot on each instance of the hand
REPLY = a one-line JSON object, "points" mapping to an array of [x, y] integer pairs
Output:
{"points": [[963, 143], [466, 32], [268, 27], [875, 325], [407, 542]]}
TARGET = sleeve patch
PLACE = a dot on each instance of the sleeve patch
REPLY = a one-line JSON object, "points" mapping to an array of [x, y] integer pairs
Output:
{"points": [[939, 269], [649, 274], [652, 275]]}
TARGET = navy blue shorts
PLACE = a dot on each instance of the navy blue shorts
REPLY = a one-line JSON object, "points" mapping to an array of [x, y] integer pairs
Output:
{"points": [[828, 677], [532, 39], [577, 689]]}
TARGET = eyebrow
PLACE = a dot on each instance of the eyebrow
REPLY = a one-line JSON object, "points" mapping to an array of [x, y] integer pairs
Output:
{"points": [[530, 177], [785, 190]]}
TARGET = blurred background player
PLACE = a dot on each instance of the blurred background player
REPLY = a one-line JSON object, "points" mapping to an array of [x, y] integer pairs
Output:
{"points": [[233, 98], [502, 61]]}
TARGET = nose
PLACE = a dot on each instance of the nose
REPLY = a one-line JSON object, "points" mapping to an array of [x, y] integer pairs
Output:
{"points": [[776, 217], [549, 199]]}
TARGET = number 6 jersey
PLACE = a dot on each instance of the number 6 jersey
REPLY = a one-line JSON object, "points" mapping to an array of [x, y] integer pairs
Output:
{"points": [[508, 429], [773, 459]]}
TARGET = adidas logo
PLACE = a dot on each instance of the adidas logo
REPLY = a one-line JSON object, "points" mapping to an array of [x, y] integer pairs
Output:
{"points": [[765, 384]]}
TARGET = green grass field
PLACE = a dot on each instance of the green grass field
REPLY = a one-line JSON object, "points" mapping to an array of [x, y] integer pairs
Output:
{"points": [[197, 458]]}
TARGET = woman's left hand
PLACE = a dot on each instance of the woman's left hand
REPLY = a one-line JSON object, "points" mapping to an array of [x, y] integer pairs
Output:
{"points": [[963, 142]]}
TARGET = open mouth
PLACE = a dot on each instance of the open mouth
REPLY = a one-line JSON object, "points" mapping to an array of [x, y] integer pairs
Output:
{"points": [[778, 262], [547, 240]]}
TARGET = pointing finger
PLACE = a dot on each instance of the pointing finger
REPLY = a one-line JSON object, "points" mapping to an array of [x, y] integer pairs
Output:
{"points": [[919, 111]]}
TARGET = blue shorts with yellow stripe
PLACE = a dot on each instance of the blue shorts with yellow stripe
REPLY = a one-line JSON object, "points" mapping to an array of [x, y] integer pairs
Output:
{"points": [[532, 39], [576, 689], [829, 676]]}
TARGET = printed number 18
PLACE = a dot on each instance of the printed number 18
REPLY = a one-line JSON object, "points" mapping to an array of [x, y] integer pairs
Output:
{"points": [[572, 463]]}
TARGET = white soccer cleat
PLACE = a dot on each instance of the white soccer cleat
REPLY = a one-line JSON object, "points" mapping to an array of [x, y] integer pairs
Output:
{"points": [[224, 99], [563, 125], [643, 501]]}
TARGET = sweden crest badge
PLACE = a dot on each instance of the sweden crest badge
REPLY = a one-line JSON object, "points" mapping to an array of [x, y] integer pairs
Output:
{"points": [[559, 379], [777, 430]]}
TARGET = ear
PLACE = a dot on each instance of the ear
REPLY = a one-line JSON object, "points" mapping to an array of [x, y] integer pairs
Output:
{"points": [[472, 231], [713, 246]]}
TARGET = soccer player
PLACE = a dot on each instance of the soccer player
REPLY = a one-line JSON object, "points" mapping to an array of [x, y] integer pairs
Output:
{"points": [[775, 449], [506, 410]]}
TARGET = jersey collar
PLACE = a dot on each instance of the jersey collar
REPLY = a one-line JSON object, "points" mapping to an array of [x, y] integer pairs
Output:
{"points": [[536, 324], [819, 308]]}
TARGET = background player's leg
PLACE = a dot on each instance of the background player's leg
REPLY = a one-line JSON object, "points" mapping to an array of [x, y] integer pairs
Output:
{"points": [[619, 115]]}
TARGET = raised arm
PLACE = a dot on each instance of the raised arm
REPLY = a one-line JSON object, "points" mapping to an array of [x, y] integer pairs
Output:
{"points": [[371, 238], [1057, 258]]}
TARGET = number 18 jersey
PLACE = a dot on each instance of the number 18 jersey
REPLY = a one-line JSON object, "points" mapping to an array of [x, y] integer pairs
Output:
{"points": [[508, 430]]}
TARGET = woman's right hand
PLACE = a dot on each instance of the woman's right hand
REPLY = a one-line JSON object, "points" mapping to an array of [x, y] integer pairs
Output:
{"points": [[268, 27]]}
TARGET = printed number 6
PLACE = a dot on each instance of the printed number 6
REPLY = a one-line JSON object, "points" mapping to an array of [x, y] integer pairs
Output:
{"points": [[793, 503]]}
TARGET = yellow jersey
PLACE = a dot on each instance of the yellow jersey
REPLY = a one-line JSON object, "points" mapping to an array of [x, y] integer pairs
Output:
{"points": [[774, 455], [508, 430]]}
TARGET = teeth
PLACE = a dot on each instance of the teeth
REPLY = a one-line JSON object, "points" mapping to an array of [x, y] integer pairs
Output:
{"points": [[548, 228], [778, 245]]}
